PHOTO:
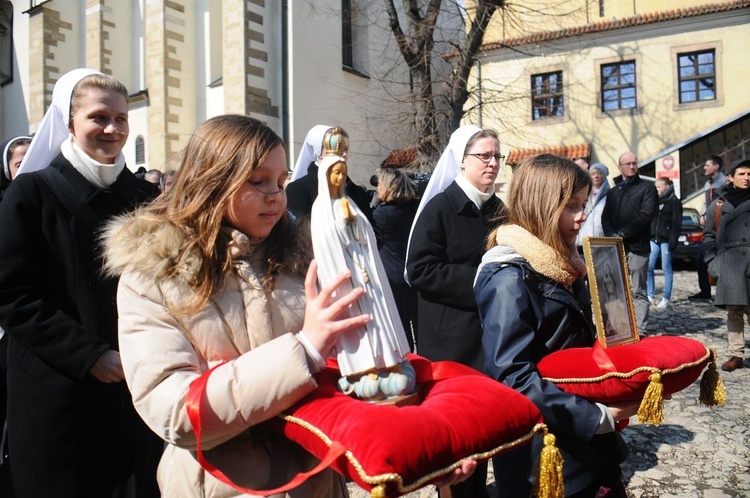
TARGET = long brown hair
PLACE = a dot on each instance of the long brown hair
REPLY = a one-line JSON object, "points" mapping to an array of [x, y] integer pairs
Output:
{"points": [[217, 160], [540, 189]]}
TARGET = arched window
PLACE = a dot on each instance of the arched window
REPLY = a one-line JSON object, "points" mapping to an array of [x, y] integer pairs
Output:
{"points": [[140, 150]]}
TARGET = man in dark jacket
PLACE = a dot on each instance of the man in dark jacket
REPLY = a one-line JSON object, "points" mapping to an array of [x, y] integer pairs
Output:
{"points": [[712, 169], [727, 252], [631, 205]]}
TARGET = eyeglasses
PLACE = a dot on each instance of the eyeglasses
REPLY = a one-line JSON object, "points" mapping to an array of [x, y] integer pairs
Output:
{"points": [[485, 158], [267, 187]]}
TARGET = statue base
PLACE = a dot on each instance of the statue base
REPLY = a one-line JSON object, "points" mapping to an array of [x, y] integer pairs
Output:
{"points": [[404, 400], [393, 385]]}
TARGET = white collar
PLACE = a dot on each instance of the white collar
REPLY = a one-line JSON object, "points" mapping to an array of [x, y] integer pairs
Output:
{"points": [[474, 194], [99, 174]]}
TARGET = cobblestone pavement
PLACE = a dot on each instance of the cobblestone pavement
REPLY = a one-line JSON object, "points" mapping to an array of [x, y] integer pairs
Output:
{"points": [[697, 452]]}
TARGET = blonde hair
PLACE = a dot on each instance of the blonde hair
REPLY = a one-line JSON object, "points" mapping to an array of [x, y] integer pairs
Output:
{"points": [[394, 186], [217, 160], [101, 81], [488, 133], [539, 191]]}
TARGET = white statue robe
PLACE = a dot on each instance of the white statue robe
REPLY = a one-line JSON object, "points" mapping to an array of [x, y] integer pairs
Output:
{"points": [[339, 244]]}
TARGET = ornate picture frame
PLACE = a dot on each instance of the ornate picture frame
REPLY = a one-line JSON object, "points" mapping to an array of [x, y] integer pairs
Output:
{"points": [[611, 294]]}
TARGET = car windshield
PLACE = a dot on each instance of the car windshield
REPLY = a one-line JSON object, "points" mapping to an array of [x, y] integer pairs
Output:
{"points": [[690, 217]]}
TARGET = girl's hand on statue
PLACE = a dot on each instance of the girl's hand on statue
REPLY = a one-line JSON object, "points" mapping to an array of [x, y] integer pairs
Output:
{"points": [[322, 324], [459, 475], [624, 409]]}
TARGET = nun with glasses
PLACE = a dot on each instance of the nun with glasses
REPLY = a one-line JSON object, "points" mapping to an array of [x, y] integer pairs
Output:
{"points": [[72, 428], [457, 211]]}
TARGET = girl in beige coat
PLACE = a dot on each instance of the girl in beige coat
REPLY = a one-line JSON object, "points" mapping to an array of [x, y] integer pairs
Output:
{"points": [[213, 273]]}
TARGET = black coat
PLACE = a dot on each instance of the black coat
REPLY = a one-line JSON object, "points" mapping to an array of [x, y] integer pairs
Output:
{"points": [[667, 222], [393, 223], [70, 435], [446, 248], [302, 192], [526, 317], [727, 248], [630, 207]]}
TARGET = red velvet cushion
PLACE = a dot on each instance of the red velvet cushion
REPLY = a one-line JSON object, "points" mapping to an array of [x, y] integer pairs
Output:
{"points": [[407, 447], [585, 372]]}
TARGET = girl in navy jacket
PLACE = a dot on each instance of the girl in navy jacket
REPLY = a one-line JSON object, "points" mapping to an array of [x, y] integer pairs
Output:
{"points": [[532, 301]]}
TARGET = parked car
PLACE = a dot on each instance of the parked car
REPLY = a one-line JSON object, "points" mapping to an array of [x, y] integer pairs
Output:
{"points": [[691, 236]]}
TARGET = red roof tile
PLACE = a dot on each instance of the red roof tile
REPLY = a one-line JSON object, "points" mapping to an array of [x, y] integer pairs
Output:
{"points": [[569, 151], [597, 27], [400, 158]]}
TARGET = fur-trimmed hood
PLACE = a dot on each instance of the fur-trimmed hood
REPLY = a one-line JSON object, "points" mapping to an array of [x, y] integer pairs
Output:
{"points": [[515, 241], [148, 246]]}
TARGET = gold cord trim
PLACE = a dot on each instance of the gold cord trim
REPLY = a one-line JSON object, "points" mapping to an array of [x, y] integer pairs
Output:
{"points": [[395, 478], [622, 375]]}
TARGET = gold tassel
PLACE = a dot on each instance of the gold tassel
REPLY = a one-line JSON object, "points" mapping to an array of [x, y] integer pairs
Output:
{"points": [[651, 410], [378, 491], [712, 391], [550, 480]]}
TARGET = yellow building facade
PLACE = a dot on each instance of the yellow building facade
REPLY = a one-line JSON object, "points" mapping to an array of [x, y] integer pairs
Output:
{"points": [[607, 77]]}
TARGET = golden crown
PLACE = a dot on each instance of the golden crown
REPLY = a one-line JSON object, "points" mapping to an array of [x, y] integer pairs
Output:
{"points": [[335, 142]]}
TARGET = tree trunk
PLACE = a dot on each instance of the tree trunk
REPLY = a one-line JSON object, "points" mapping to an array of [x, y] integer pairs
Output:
{"points": [[466, 57], [417, 51]]}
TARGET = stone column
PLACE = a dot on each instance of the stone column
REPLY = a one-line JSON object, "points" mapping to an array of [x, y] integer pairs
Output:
{"points": [[234, 56]]}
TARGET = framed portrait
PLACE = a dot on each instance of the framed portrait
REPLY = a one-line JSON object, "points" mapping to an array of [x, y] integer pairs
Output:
{"points": [[611, 296]]}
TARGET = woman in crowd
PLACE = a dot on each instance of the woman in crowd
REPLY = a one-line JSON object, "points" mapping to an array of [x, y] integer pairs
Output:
{"points": [[666, 226], [393, 217], [592, 227], [13, 152], [457, 211], [219, 292], [533, 301], [72, 428], [167, 180]]}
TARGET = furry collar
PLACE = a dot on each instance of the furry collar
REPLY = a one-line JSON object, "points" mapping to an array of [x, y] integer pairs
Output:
{"points": [[142, 244], [542, 258], [145, 245]]}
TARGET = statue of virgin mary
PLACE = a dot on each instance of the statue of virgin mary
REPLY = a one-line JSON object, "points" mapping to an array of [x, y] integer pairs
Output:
{"points": [[372, 357]]}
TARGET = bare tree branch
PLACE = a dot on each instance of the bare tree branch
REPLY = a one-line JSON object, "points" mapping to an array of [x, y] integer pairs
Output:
{"points": [[417, 47], [466, 57]]}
